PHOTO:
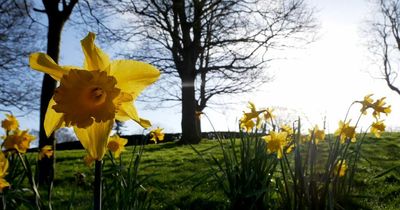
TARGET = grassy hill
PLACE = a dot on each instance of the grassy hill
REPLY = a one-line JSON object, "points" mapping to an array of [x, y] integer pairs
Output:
{"points": [[177, 176]]}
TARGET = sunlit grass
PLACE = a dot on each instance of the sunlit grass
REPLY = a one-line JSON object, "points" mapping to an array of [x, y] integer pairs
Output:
{"points": [[177, 176]]}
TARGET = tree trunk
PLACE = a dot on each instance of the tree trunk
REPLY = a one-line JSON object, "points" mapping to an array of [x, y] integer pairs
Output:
{"points": [[46, 165], [190, 132]]}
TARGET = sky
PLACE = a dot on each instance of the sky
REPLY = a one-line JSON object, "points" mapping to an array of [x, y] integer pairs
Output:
{"points": [[315, 82]]}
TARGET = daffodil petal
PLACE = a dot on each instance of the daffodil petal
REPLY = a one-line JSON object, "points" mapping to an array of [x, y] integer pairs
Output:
{"points": [[133, 76], [95, 138], [144, 123], [95, 58], [44, 63], [53, 120], [128, 111]]}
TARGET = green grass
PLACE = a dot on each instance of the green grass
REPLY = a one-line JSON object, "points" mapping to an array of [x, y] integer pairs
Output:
{"points": [[175, 173]]}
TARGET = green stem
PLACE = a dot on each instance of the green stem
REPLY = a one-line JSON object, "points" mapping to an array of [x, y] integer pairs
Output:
{"points": [[31, 181], [97, 185]]}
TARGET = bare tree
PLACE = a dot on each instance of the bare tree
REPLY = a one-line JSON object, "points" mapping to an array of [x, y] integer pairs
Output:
{"points": [[384, 41], [57, 12], [18, 88], [206, 48]]}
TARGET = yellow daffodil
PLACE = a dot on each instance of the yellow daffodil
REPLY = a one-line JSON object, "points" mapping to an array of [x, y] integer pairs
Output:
{"points": [[3, 165], [46, 151], [341, 168], [379, 107], [117, 145], [157, 135], [19, 140], [248, 125], [287, 128], [253, 114], [3, 171], [378, 127], [3, 184], [346, 131], [276, 141], [366, 103], [91, 97], [10, 123], [317, 134]]}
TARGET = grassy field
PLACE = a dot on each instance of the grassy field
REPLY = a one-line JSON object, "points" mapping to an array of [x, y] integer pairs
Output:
{"points": [[177, 176]]}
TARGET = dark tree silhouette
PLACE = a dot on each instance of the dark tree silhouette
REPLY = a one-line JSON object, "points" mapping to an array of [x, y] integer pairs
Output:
{"points": [[18, 89], [205, 48], [58, 12], [384, 41]]}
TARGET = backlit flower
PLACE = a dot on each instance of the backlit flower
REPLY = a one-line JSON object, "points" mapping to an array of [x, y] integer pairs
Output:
{"points": [[276, 141], [317, 134], [341, 168], [91, 97], [3, 171], [10, 123], [253, 114], [117, 145], [287, 128], [248, 125], [346, 131], [377, 127], [379, 107], [46, 151], [3, 184], [366, 103], [19, 140], [157, 135], [3, 165]]}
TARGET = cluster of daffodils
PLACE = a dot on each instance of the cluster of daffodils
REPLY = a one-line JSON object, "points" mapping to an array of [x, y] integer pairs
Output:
{"points": [[346, 131], [92, 97], [276, 141], [280, 140], [14, 140], [378, 107]]}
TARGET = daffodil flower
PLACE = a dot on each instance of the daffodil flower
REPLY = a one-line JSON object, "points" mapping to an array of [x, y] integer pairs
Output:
{"points": [[318, 134], [117, 145], [379, 107], [157, 135], [18, 140], [91, 97], [3, 171], [10, 123], [378, 127], [46, 151], [247, 125], [287, 128], [276, 141], [366, 103], [346, 131], [341, 168]]}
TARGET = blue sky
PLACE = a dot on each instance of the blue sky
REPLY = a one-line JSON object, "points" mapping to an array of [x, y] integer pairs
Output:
{"points": [[317, 81]]}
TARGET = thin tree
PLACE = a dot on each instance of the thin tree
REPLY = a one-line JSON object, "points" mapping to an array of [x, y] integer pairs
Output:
{"points": [[58, 12], [18, 89], [207, 48], [384, 41]]}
